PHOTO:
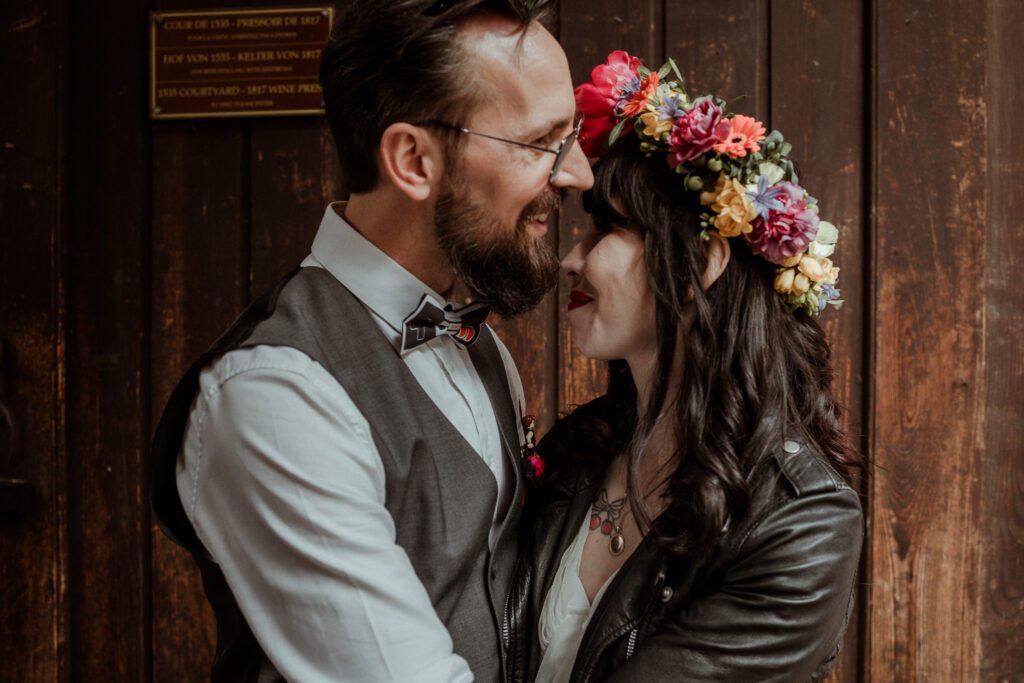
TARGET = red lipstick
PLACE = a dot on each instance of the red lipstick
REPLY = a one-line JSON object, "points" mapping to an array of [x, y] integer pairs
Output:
{"points": [[578, 298]]}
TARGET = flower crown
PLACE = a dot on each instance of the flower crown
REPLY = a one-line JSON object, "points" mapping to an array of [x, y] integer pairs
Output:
{"points": [[743, 176]]}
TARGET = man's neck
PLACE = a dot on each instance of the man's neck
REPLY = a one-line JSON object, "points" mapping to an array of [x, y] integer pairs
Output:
{"points": [[404, 230]]}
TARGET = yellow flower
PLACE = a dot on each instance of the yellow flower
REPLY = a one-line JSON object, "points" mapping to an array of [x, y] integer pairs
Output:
{"points": [[789, 281], [811, 267], [653, 128], [733, 206]]}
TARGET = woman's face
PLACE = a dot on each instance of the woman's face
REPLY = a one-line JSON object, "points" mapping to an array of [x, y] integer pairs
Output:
{"points": [[611, 305]]}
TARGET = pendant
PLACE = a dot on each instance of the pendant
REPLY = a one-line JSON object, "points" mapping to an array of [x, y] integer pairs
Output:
{"points": [[616, 543]]}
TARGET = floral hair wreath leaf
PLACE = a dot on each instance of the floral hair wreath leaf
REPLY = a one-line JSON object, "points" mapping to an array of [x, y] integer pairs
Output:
{"points": [[743, 173]]}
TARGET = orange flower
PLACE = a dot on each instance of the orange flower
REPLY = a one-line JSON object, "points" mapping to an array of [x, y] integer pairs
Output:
{"points": [[642, 96], [744, 135]]}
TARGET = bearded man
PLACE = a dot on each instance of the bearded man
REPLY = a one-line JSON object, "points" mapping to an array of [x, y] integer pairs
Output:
{"points": [[343, 463]]}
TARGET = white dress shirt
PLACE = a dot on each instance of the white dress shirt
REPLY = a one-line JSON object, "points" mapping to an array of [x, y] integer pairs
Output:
{"points": [[283, 483]]}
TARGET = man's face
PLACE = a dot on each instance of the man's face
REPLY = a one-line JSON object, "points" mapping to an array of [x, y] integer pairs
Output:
{"points": [[496, 200]]}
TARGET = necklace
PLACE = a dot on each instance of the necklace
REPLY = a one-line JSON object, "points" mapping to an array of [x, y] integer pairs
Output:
{"points": [[616, 543], [605, 517]]}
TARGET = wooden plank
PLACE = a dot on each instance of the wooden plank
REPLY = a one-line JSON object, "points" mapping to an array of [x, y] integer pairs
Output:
{"points": [[817, 87], [294, 175], [1002, 475], [107, 271], [199, 285], [589, 32], [722, 48], [927, 538], [200, 255], [33, 562]]}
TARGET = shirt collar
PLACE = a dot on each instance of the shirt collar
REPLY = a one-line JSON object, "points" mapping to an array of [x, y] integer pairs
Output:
{"points": [[384, 286]]}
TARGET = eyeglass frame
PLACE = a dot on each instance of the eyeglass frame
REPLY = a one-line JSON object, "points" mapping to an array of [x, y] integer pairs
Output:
{"points": [[561, 152]]}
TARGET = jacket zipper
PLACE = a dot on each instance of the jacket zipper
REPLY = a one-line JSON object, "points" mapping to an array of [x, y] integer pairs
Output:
{"points": [[631, 643], [633, 627], [506, 629]]}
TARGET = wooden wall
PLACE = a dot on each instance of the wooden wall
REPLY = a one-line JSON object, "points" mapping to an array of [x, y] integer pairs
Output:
{"points": [[127, 245]]}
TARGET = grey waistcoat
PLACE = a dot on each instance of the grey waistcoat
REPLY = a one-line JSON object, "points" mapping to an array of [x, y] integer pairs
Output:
{"points": [[439, 492]]}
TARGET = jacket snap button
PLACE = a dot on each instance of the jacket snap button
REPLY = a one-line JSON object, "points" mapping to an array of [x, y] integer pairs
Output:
{"points": [[791, 446], [666, 593]]}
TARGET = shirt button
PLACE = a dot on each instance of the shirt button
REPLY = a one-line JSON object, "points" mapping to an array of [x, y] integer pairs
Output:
{"points": [[666, 593]]}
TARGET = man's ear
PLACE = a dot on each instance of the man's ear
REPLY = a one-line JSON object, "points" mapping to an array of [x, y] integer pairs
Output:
{"points": [[719, 252], [412, 159]]}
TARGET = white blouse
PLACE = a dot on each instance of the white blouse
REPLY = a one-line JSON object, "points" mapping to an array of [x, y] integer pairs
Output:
{"points": [[566, 613]]}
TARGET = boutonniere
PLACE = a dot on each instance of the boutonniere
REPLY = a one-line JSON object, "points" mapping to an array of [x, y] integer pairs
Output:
{"points": [[533, 464]]}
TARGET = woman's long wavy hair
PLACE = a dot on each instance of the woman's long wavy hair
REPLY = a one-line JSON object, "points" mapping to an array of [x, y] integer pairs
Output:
{"points": [[755, 373]]}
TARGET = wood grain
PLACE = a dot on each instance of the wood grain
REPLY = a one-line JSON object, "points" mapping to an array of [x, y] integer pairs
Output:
{"points": [[107, 368], [817, 93], [723, 48], [1001, 513], [33, 615], [200, 256], [928, 393]]}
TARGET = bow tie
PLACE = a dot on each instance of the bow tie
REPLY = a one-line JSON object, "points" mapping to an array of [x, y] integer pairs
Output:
{"points": [[430, 320]]}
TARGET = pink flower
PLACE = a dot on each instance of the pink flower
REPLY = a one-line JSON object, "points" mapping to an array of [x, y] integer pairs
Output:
{"points": [[537, 465], [696, 132], [788, 231], [596, 100]]}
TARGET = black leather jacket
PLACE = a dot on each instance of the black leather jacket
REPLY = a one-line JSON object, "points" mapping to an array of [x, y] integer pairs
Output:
{"points": [[771, 603]]}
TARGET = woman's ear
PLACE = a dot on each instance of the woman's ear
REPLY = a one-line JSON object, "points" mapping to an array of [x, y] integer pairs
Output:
{"points": [[412, 159], [719, 251]]}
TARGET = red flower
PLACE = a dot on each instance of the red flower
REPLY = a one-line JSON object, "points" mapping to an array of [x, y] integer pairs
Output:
{"points": [[596, 100]]}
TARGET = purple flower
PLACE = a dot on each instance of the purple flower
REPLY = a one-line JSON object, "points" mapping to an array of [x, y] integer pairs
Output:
{"points": [[671, 108], [696, 131], [787, 231], [766, 199], [627, 93], [828, 293]]}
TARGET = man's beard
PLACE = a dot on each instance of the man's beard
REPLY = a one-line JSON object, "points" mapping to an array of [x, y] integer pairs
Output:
{"points": [[508, 269]]}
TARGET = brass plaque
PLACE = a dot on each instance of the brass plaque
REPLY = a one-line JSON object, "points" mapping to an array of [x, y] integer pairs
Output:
{"points": [[246, 62]]}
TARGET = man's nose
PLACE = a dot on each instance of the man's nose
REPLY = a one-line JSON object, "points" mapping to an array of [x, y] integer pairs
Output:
{"points": [[575, 172]]}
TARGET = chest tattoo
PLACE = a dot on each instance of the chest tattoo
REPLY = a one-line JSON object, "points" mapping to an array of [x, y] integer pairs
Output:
{"points": [[605, 516]]}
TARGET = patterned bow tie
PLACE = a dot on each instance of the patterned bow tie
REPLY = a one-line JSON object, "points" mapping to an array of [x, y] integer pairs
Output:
{"points": [[430, 320]]}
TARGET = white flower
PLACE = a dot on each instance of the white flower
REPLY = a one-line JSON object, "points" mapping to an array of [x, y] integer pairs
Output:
{"points": [[773, 171], [825, 243]]}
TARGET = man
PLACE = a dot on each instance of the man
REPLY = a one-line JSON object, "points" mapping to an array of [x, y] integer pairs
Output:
{"points": [[343, 463]]}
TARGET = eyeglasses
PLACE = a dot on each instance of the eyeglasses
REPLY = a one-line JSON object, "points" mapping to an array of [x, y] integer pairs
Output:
{"points": [[561, 151]]}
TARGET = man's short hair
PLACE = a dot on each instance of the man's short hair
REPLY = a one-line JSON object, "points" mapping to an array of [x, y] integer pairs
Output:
{"points": [[400, 60]]}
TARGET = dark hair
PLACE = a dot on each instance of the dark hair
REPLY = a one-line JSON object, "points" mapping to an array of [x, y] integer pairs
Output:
{"points": [[755, 373], [400, 60]]}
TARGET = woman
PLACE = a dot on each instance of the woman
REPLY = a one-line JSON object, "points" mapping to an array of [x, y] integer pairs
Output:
{"points": [[697, 522]]}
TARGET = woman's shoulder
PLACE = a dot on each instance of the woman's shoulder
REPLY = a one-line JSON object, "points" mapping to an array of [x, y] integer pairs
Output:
{"points": [[577, 442], [798, 483]]}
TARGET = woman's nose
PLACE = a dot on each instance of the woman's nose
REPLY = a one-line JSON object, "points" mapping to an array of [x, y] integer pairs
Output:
{"points": [[572, 264]]}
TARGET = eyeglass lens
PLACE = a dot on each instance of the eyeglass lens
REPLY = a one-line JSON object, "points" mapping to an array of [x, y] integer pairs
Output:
{"points": [[564, 150]]}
